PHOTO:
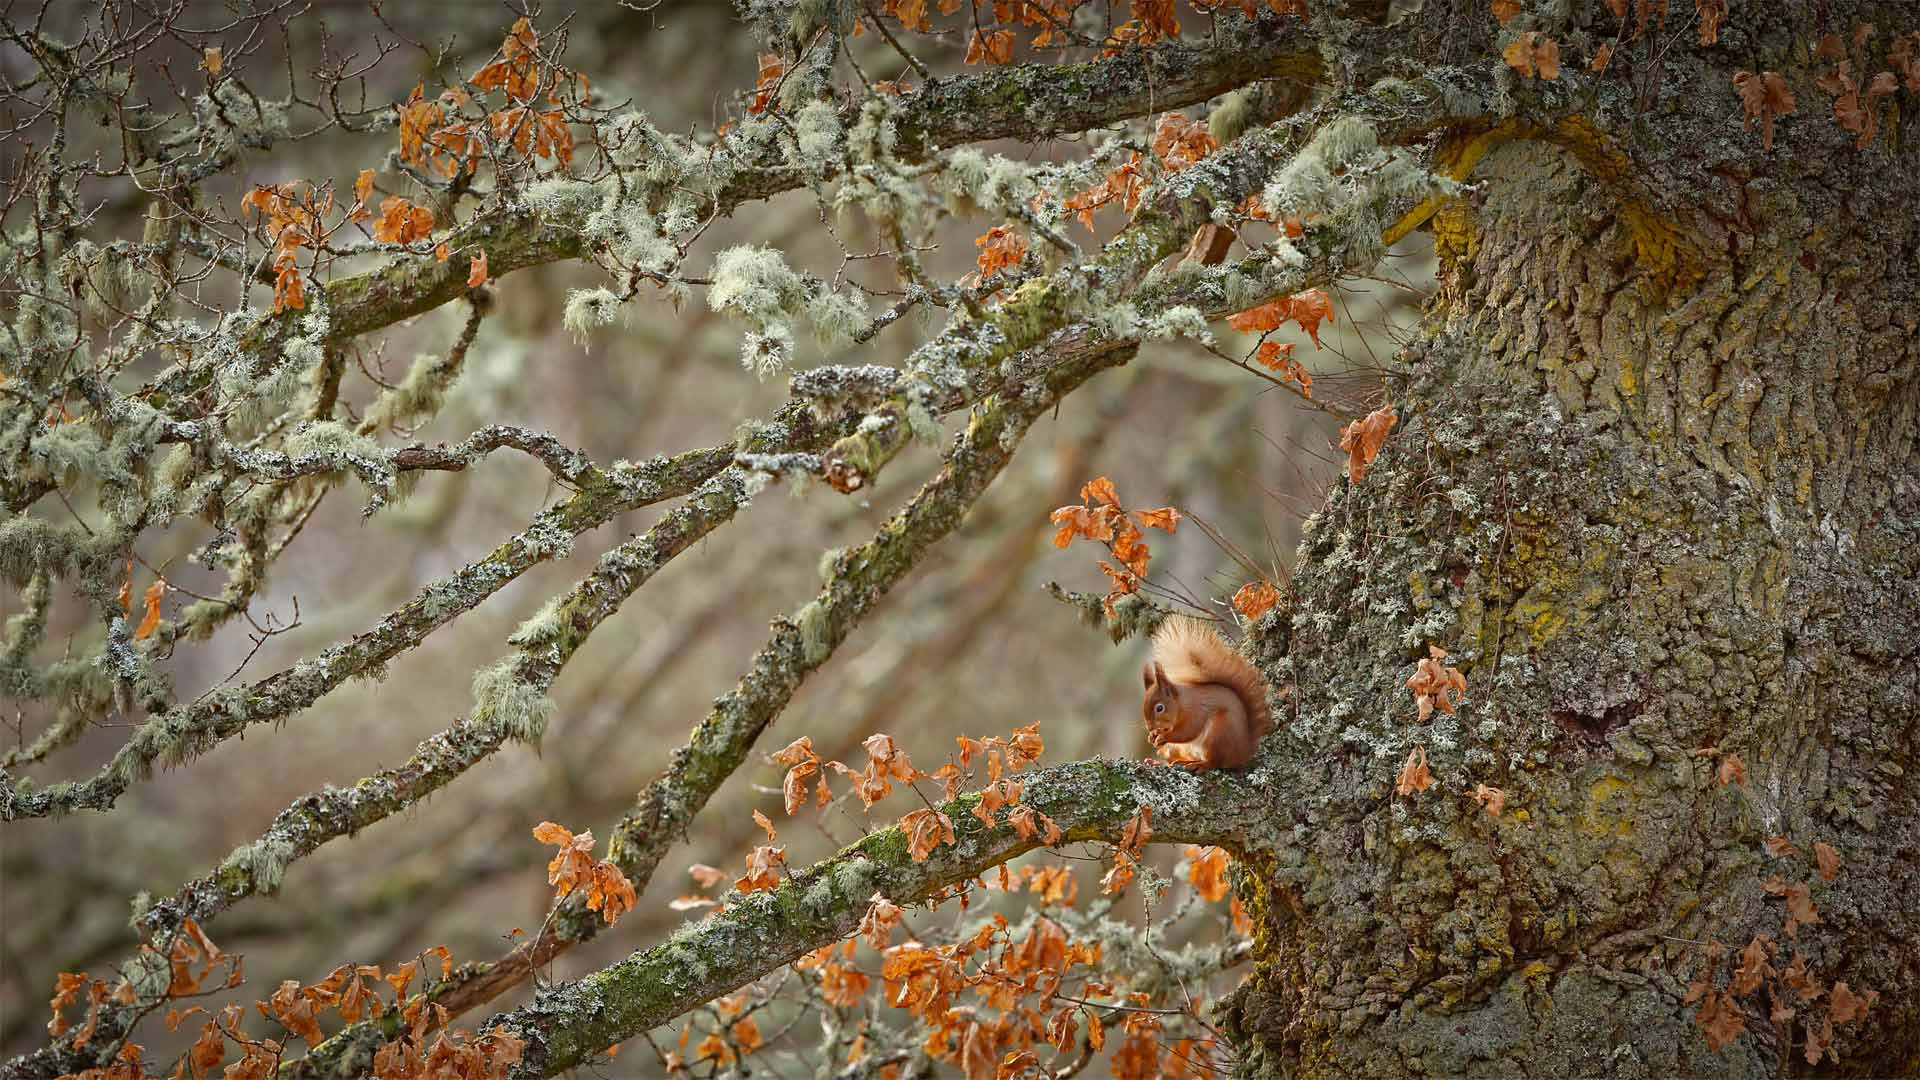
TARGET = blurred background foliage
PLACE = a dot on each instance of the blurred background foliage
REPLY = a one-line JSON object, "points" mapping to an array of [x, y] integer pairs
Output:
{"points": [[970, 645]]}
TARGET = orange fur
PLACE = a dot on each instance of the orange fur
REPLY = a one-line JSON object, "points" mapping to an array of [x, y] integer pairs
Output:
{"points": [[1193, 653]]}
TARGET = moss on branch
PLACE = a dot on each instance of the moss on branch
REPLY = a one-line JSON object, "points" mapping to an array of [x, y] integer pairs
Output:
{"points": [[568, 1025]]}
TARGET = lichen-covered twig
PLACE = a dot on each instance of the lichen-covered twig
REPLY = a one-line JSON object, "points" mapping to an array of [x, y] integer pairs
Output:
{"points": [[569, 1024]]}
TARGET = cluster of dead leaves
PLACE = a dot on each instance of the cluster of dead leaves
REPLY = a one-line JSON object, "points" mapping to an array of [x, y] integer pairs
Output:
{"points": [[1207, 873], [428, 138], [925, 829], [294, 216], [1102, 519], [1123, 185], [191, 958], [1002, 247], [1180, 141], [573, 867], [1126, 857], [990, 46], [1018, 977], [1789, 990], [736, 1036], [1854, 107], [1308, 309], [1534, 55], [352, 993], [1435, 685]]}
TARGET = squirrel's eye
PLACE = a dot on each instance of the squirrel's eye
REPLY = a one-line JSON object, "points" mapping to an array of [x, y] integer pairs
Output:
{"points": [[1159, 708]]}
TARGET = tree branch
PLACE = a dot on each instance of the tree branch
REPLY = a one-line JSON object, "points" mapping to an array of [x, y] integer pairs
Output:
{"points": [[570, 1024]]}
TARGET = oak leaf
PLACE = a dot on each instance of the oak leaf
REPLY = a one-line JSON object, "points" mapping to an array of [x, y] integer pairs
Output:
{"points": [[1254, 599], [1363, 439], [1414, 775], [1721, 1020], [1764, 96], [1828, 860], [1492, 799], [1207, 871], [1534, 55], [1843, 1005]]}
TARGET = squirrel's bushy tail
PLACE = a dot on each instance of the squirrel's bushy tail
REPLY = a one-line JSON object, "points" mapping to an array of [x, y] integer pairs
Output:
{"points": [[1193, 652]]}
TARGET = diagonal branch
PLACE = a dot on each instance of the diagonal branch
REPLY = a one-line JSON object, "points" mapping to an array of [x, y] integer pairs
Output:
{"points": [[571, 1024]]}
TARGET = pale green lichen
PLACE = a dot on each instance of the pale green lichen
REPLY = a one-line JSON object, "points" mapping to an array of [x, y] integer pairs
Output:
{"points": [[510, 704], [586, 309]]}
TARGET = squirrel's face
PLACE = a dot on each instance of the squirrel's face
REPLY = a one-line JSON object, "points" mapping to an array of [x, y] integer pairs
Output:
{"points": [[1161, 706]]}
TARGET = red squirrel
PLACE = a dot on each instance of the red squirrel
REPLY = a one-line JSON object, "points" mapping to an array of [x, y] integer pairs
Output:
{"points": [[1206, 705]]}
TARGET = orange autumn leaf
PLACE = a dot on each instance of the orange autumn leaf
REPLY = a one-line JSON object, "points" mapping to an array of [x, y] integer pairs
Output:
{"points": [[763, 864], [926, 830], [1492, 799], [1534, 55], [150, 619], [1166, 519], [211, 61], [1255, 598], [418, 119], [994, 47], [772, 68], [1363, 439], [876, 926], [1179, 141], [1308, 309], [289, 290], [1278, 356], [1505, 10], [1414, 775], [1100, 490], [1720, 1020], [1001, 247], [477, 271], [1207, 871], [518, 69], [401, 222], [1843, 1005]]}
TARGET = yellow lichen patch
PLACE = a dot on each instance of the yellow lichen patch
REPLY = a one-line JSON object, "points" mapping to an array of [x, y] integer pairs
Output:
{"points": [[1668, 257], [1602, 820], [1454, 234], [1628, 383]]}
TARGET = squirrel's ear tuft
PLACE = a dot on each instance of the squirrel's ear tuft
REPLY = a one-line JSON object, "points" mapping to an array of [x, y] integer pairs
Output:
{"points": [[1146, 674], [1160, 674]]}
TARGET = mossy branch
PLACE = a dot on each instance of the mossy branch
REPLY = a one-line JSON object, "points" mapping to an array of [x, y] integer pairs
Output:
{"points": [[569, 1025]]}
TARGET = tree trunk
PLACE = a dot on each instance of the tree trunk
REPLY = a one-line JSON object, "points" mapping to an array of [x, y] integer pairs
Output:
{"points": [[1654, 488]]}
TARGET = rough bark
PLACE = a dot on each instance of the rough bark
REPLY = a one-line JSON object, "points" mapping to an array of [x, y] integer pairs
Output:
{"points": [[1654, 488]]}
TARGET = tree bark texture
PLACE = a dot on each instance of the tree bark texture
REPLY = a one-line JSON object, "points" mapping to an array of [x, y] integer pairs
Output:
{"points": [[1654, 487]]}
